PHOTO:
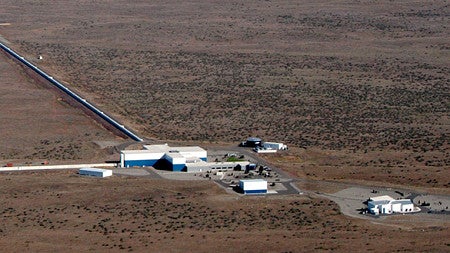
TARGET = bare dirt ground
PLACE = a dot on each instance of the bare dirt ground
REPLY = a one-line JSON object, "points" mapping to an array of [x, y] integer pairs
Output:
{"points": [[358, 90], [61, 211], [362, 82], [372, 168], [37, 125]]}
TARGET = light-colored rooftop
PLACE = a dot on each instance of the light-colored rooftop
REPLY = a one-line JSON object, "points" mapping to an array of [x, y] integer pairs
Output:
{"points": [[174, 155], [93, 169], [142, 151], [210, 164], [402, 201], [253, 180], [382, 198], [388, 199], [255, 139], [166, 148]]}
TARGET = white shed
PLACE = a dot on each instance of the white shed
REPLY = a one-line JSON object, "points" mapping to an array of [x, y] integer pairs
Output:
{"points": [[274, 145], [253, 186], [264, 150], [94, 172]]}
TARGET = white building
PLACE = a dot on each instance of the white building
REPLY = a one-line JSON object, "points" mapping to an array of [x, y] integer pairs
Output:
{"points": [[202, 166], [93, 172], [175, 158], [189, 159], [270, 147], [264, 150], [188, 152], [388, 205], [253, 186], [274, 145]]}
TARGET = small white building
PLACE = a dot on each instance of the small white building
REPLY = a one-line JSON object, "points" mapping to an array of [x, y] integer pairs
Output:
{"points": [[388, 205], [94, 172], [274, 145], [253, 186], [264, 150]]}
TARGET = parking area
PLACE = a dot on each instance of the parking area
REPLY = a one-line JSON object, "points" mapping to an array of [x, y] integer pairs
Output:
{"points": [[137, 172], [351, 200], [229, 179]]}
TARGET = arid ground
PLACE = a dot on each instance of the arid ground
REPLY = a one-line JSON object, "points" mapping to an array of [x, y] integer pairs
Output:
{"points": [[359, 90], [364, 81], [61, 211], [38, 125]]}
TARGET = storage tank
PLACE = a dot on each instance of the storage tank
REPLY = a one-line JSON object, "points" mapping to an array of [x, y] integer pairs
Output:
{"points": [[253, 142]]}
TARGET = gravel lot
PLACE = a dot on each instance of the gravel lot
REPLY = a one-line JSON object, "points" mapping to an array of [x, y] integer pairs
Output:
{"points": [[350, 200], [135, 172]]}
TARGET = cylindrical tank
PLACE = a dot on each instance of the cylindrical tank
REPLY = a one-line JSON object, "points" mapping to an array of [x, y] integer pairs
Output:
{"points": [[253, 142]]}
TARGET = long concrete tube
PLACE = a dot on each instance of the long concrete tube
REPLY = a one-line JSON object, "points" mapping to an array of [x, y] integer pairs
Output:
{"points": [[79, 99]]}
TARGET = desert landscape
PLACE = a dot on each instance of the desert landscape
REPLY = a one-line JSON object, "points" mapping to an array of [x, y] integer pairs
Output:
{"points": [[38, 124], [366, 80], [61, 211], [359, 90]]}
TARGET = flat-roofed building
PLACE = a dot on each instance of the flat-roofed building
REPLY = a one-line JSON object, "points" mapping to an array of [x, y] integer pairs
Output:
{"points": [[253, 186], [94, 172], [162, 157], [139, 158], [274, 145], [388, 205]]}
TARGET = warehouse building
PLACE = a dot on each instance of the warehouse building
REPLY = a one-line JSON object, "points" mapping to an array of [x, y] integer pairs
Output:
{"points": [[388, 205], [162, 157], [93, 172], [139, 158], [253, 186]]}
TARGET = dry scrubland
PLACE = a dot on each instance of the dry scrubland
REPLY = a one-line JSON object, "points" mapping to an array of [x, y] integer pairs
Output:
{"points": [[363, 83], [64, 212], [38, 125], [360, 87]]}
